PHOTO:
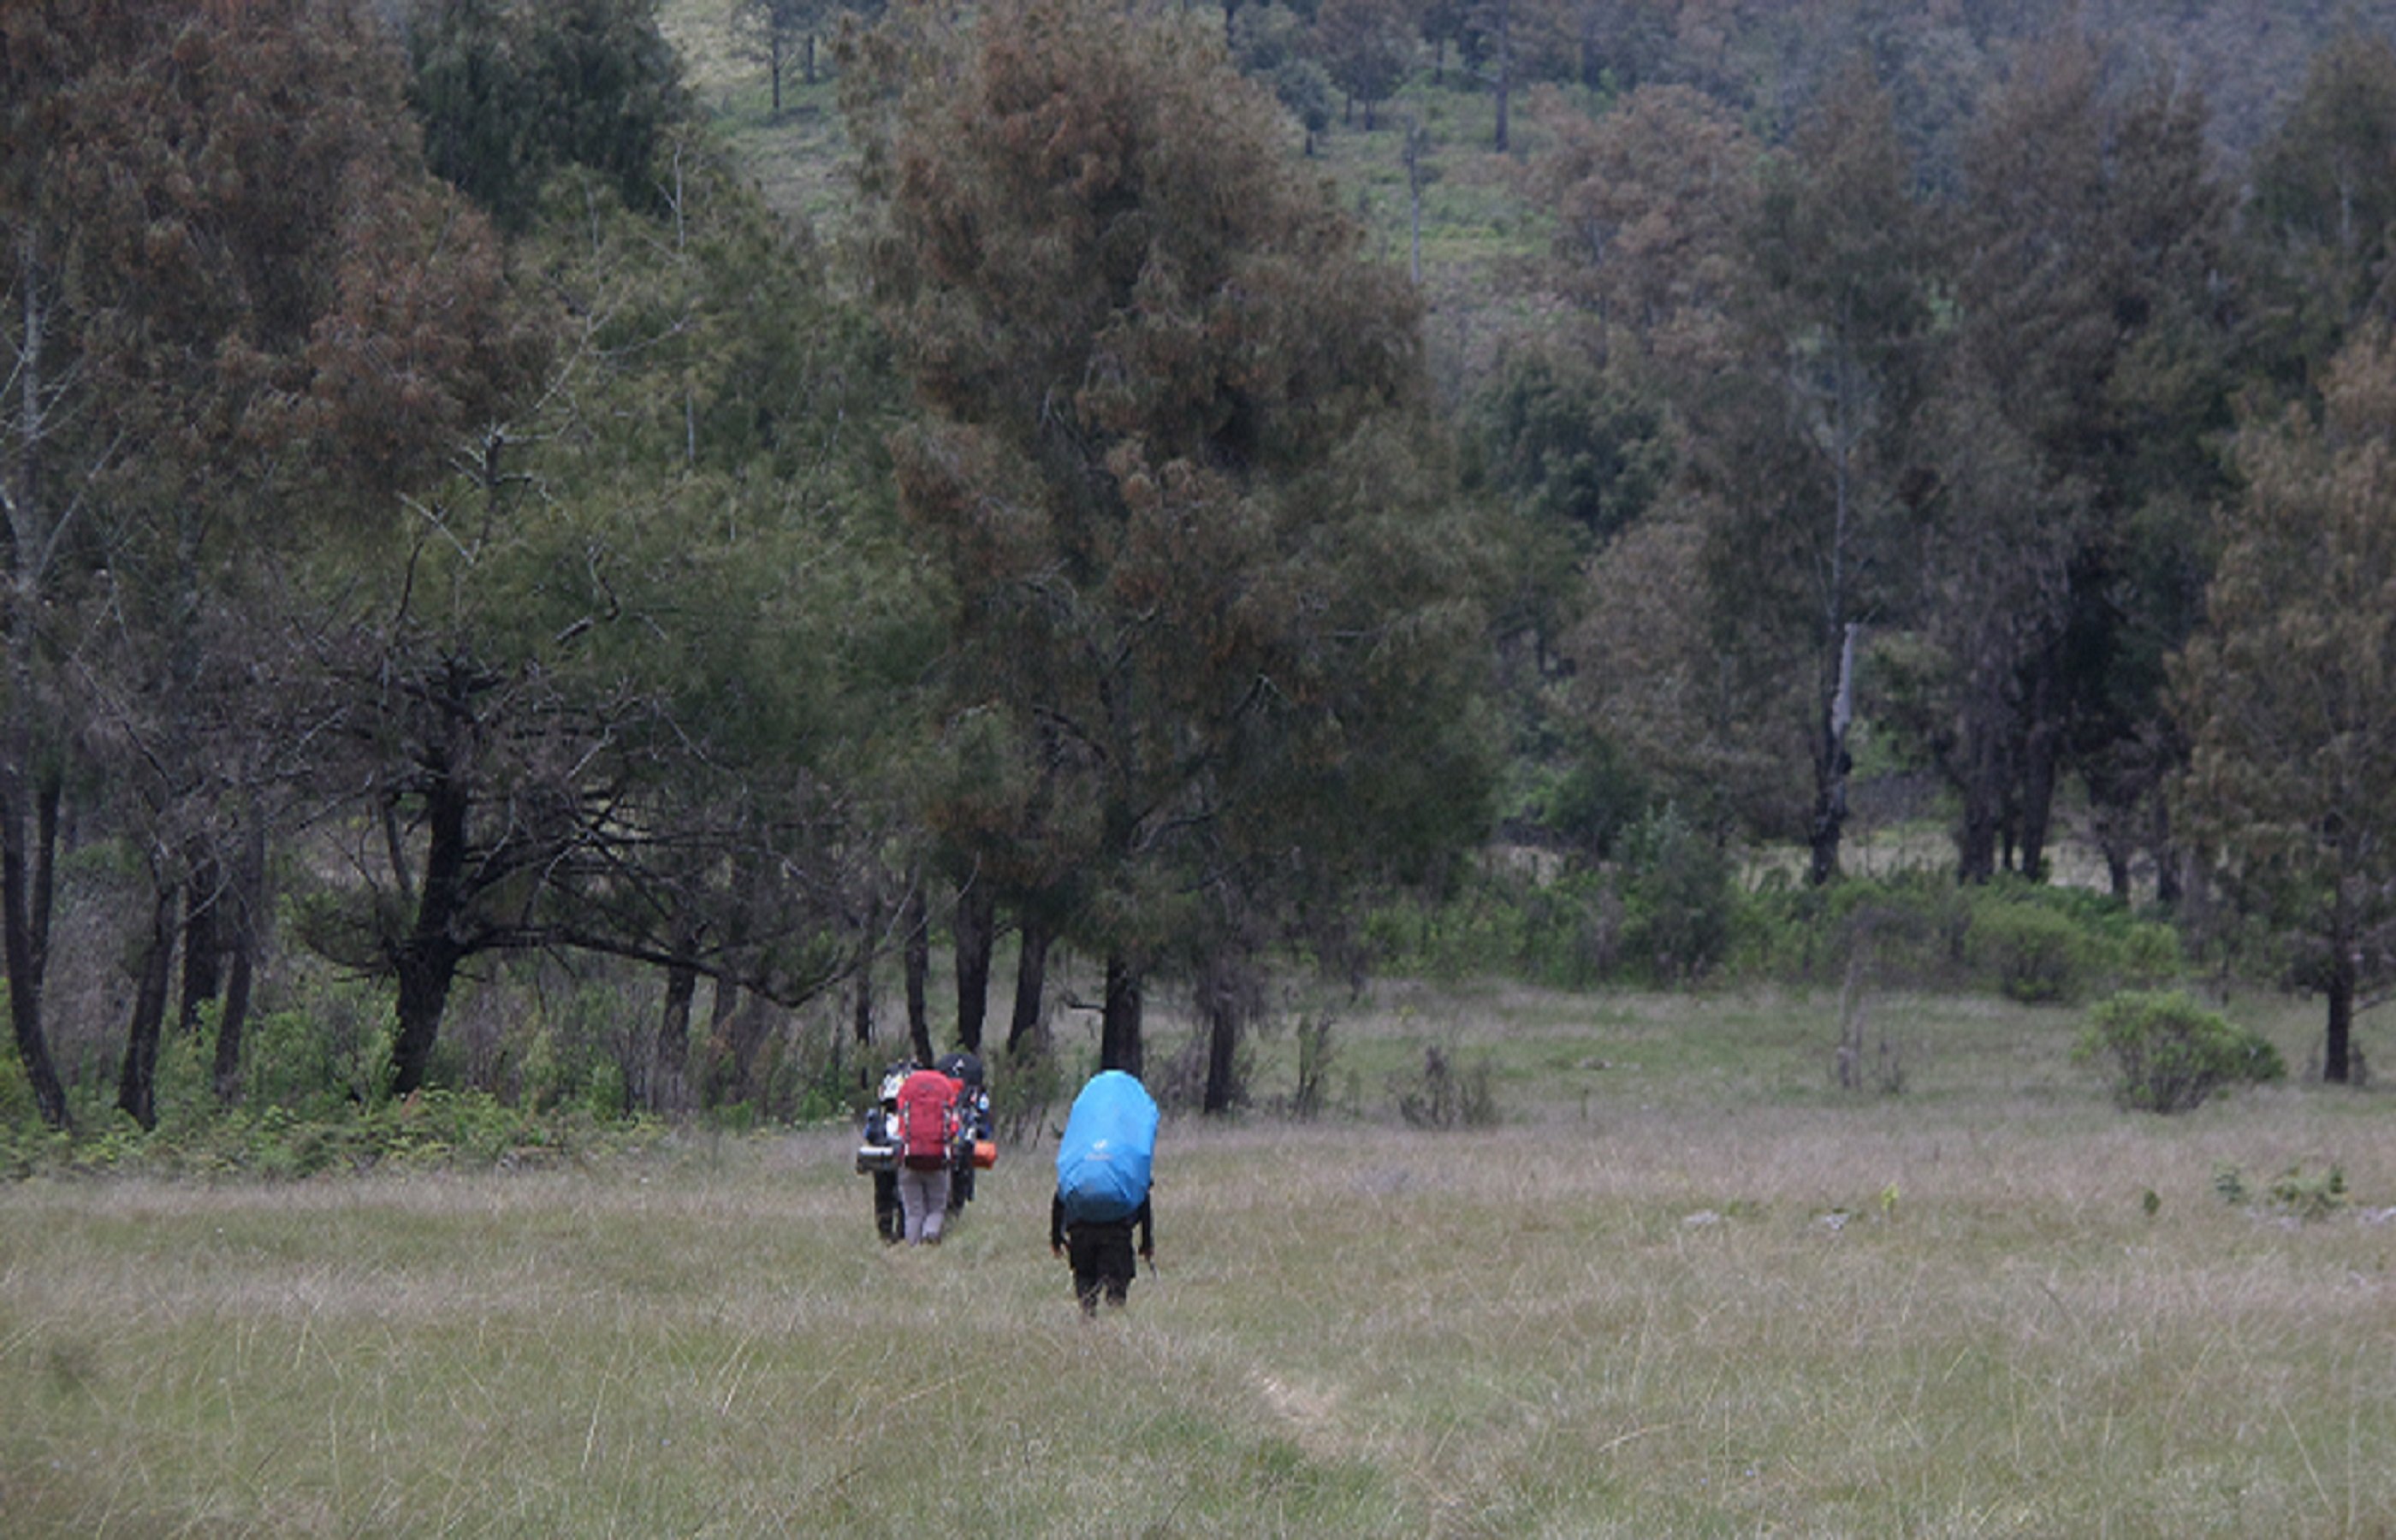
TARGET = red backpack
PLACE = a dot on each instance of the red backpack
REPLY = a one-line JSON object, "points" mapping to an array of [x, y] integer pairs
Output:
{"points": [[927, 1102]]}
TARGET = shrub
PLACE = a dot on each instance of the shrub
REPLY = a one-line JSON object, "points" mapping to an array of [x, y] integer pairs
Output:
{"points": [[2298, 1193], [1680, 899], [2169, 1054], [2036, 955], [2150, 955]]}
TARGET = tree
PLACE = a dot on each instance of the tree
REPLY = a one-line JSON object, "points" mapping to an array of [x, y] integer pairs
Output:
{"points": [[237, 282], [1177, 468], [770, 32], [1651, 204], [622, 681], [510, 91], [1685, 719], [2093, 320], [1806, 441], [2324, 207], [2288, 690], [1366, 46]]}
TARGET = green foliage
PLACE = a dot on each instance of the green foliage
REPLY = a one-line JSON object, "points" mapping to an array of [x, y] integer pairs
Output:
{"points": [[1269, 43], [2297, 1193], [327, 1047], [1566, 931], [2167, 1054], [822, 1093], [1180, 471], [433, 1130], [1670, 909], [2303, 1195], [2291, 774], [2150, 955], [510, 91], [1680, 900], [2035, 954], [1589, 800], [1572, 448], [2036, 943]]}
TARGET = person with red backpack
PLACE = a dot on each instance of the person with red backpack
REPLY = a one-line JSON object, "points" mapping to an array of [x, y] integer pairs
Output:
{"points": [[927, 1131]]}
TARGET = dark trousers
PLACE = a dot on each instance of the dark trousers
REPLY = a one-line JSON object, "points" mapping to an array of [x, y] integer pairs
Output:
{"points": [[1102, 1262]]}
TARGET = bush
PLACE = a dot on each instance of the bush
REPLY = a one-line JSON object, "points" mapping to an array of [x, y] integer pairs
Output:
{"points": [[1680, 899], [2036, 955], [2169, 1054]]}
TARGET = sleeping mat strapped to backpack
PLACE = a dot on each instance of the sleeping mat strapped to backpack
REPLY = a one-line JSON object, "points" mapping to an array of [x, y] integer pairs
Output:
{"points": [[1110, 1144]]}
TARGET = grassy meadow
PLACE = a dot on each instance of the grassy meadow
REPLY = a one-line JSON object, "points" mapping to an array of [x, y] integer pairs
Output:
{"points": [[1683, 1287]]}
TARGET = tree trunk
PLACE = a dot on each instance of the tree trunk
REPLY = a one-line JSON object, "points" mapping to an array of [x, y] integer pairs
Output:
{"points": [[975, 928], [670, 1076], [1981, 779], [246, 900], [429, 955], [137, 1078], [2170, 884], [1831, 765], [1222, 1057], [860, 999], [427, 969], [1222, 999], [28, 800], [26, 889], [1030, 985], [916, 953], [2337, 1044], [2040, 750], [727, 1070], [1119, 1029], [203, 900]]}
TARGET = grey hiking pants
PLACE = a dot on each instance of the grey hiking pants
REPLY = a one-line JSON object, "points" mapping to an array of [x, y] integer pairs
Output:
{"points": [[924, 1196]]}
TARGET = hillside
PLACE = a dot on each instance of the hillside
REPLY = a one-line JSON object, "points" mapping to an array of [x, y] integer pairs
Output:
{"points": [[1480, 231]]}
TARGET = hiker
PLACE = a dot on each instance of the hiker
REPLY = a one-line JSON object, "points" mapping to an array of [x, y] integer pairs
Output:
{"points": [[1103, 1164], [977, 1134], [877, 1153], [927, 1131], [1100, 1251]]}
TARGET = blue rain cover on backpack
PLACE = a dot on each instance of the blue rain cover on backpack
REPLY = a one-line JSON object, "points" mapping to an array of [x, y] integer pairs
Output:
{"points": [[1102, 1162]]}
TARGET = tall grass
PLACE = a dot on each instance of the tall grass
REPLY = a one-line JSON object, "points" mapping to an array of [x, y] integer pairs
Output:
{"points": [[1683, 1288]]}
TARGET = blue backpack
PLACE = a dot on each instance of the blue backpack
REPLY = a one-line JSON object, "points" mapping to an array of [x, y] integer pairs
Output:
{"points": [[1110, 1144]]}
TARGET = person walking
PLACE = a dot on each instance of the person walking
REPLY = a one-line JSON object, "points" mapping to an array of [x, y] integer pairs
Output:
{"points": [[1104, 1161], [928, 1129]]}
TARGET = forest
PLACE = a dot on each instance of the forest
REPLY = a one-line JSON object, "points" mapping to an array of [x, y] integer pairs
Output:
{"points": [[560, 552]]}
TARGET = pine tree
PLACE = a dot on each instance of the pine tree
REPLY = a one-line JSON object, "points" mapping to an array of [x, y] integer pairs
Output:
{"points": [[2288, 690], [1178, 470]]}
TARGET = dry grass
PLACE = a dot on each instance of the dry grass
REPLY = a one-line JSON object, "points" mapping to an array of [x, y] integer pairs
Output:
{"points": [[1691, 1301]]}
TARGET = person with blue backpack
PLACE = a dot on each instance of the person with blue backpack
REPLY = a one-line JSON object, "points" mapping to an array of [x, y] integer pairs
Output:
{"points": [[1104, 1165]]}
